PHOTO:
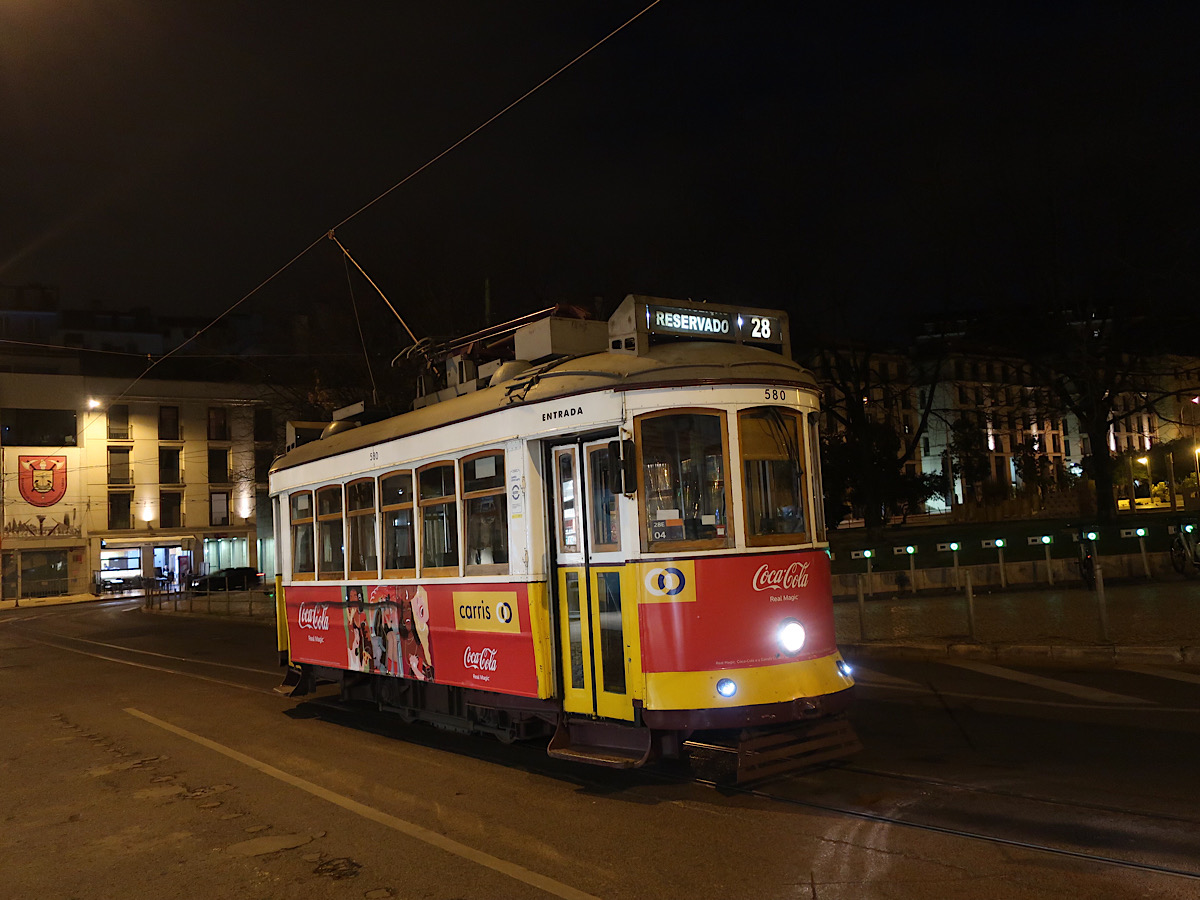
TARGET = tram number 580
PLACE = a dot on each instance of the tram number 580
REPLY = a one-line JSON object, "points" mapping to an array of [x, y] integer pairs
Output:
{"points": [[775, 394]]}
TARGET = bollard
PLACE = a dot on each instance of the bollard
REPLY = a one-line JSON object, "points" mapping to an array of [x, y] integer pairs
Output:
{"points": [[870, 589], [862, 609], [970, 608], [956, 583], [1145, 558], [1049, 566], [1102, 602], [1000, 554]]}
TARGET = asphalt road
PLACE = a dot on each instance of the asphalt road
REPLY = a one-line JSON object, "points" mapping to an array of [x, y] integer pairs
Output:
{"points": [[148, 756]]}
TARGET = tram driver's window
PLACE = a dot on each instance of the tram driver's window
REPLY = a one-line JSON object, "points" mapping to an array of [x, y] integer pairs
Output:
{"points": [[304, 560], [772, 448], [485, 505], [683, 475], [439, 519]]}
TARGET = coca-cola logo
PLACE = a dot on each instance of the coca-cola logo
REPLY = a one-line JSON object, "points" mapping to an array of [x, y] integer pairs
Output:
{"points": [[313, 616], [768, 579], [483, 659]]}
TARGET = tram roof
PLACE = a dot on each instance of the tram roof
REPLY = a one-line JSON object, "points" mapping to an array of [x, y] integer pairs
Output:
{"points": [[677, 364]]}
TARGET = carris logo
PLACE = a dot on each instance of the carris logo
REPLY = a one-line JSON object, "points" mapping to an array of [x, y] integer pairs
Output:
{"points": [[484, 659], [768, 579], [664, 582], [314, 617]]}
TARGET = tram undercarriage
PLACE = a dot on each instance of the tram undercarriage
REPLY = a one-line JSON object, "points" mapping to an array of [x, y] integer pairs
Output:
{"points": [[714, 754]]}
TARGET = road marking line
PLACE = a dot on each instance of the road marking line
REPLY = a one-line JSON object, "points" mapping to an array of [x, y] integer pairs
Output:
{"points": [[1049, 684], [882, 679], [504, 867], [1191, 677]]}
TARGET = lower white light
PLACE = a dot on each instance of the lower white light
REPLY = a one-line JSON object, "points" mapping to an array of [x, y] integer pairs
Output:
{"points": [[791, 636], [845, 668], [726, 687]]}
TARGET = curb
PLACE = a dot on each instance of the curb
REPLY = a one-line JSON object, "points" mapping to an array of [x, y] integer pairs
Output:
{"points": [[1051, 654]]}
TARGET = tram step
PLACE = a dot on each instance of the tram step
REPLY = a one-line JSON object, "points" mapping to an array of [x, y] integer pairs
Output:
{"points": [[601, 743]]}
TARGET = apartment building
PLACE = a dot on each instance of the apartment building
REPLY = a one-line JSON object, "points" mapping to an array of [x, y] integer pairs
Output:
{"points": [[106, 484]]}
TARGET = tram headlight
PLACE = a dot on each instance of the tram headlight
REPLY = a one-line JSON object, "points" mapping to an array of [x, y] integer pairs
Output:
{"points": [[844, 668], [791, 636], [726, 687]]}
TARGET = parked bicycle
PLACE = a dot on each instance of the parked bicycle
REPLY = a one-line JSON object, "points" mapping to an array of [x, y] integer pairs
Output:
{"points": [[1185, 556]]}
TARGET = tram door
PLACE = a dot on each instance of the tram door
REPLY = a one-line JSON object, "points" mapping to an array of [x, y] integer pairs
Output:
{"points": [[591, 609]]}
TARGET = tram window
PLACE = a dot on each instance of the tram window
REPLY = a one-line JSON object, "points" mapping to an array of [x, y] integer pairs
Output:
{"points": [[684, 495], [304, 562], [360, 515], [602, 502], [565, 479], [485, 505], [439, 519], [814, 444], [396, 504], [331, 559], [772, 448]]}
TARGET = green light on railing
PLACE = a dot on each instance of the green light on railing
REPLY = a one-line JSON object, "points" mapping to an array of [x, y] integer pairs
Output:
{"points": [[910, 549], [1141, 532], [999, 542], [1046, 539], [954, 546], [867, 554], [1091, 535]]}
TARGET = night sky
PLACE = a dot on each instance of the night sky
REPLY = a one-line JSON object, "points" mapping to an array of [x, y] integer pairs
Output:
{"points": [[872, 160]]}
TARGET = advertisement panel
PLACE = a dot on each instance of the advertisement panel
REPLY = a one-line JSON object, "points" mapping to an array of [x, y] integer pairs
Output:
{"points": [[475, 636], [726, 611]]}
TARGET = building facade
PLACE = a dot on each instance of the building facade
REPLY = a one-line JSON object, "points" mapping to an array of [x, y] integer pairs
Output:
{"points": [[108, 486]]}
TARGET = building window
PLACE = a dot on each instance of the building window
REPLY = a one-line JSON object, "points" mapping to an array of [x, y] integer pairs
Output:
{"points": [[218, 508], [360, 514], [118, 466], [925, 445], [168, 423], [120, 507], [304, 561], [331, 559], [169, 471], [118, 422], [218, 466], [485, 508], [263, 457], [37, 428], [396, 505], [218, 423], [170, 509], [439, 519], [264, 425]]}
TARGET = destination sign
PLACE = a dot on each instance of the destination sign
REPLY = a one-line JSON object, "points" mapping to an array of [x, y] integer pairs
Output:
{"points": [[751, 328]]}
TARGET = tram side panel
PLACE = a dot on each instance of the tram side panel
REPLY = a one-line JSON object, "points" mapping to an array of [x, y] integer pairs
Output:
{"points": [[482, 636]]}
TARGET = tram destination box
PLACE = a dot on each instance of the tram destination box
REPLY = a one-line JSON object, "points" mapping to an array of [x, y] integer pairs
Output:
{"points": [[641, 322]]}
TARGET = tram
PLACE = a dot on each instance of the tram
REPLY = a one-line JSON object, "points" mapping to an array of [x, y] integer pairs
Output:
{"points": [[614, 539]]}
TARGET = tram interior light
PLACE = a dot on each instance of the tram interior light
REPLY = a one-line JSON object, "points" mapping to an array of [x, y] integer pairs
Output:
{"points": [[791, 636], [726, 687]]}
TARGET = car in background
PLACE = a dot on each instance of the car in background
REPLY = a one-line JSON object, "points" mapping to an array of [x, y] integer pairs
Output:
{"points": [[241, 578]]}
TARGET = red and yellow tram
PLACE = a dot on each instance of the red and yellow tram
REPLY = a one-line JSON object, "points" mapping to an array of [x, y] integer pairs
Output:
{"points": [[617, 541]]}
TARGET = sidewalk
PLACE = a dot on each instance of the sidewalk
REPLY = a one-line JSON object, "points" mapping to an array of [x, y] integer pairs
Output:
{"points": [[1148, 623]]}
